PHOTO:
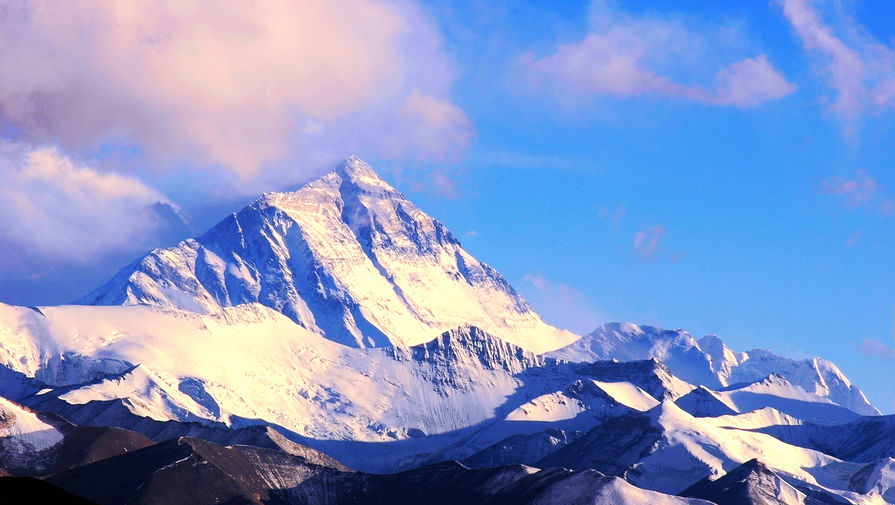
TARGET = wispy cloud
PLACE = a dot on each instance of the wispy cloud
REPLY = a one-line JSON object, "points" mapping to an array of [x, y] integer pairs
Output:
{"points": [[561, 304], [435, 181], [860, 69], [433, 126], [614, 216], [442, 184], [56, 208], [647, 242], [858, 192], [877, 349], [239, 85], [861, 191], [621, 57]]}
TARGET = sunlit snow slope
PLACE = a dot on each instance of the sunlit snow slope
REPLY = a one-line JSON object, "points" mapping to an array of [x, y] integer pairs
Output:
{"points": [[346, 256], [251, 365], [709, 362]]}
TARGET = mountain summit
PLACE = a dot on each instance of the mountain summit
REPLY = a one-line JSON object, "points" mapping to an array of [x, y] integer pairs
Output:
{"points": [[346, 256]]}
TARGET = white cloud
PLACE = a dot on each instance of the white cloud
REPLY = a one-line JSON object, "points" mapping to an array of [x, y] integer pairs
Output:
{"points": [[238, 84], [59, 209], [857, 67], [624, 56], [561, 304]]}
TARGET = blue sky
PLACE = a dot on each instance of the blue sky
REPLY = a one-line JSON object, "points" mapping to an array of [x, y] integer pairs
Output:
{"points": [[722, 168]]}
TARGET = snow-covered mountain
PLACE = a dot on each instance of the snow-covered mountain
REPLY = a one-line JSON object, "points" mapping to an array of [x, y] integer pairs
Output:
{"points": [[709, 362], [346, 256], [772, 392], [339, 321], [452, 396]]}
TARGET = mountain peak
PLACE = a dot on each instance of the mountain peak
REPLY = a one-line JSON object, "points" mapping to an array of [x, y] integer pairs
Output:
{"points": [[357, 172], [346, 256]]}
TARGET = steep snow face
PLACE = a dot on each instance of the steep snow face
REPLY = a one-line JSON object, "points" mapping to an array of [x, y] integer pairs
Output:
{"points": [[346, 256], [703, 402], [23, 436], [709, 362], [754, 420], [628, 395]]}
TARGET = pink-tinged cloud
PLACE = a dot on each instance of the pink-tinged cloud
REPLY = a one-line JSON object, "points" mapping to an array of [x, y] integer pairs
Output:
{"points": [[619, 58], [437, 126], [443, 185], [857, 192], [876, 349], [648, 242], [614, 216], [605, 64], [561, 304], [233, 83], [750, 82], [858, 68], [59, 209], [861, 191]]}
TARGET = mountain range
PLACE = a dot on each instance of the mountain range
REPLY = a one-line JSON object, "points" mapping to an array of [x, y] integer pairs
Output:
{"points": [[335, 344]]}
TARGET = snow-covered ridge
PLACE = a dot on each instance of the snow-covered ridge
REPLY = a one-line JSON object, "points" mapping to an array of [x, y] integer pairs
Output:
{"points": [[458, 346], [710, 363], [250, 364], [347, 257]]}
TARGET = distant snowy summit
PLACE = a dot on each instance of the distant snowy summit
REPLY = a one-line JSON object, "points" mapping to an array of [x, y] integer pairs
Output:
{"points": [[346, 256], [709, 362]]}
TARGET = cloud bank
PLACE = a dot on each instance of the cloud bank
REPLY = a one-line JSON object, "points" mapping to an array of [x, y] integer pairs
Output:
{"points": [[59, 209], [235, 84], [219, 99]]}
